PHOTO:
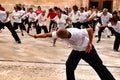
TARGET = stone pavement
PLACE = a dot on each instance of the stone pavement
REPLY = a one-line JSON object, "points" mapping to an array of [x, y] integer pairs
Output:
{"points": [[35, 59]]}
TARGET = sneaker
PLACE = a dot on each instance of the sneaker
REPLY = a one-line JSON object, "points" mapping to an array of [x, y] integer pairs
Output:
{"points": [[96, 35], [98, 41], [108, 36], [19, 42], [22, 34]]}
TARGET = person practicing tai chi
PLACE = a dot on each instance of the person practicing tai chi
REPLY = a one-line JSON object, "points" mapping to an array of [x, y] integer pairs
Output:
{"points": [[81, 42], [114, 24], [5, 21]]}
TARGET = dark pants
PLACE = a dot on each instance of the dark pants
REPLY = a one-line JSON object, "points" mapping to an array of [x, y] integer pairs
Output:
{"points": [[51, 24], [9, 26], [94, 22], [76, 25], [84, 24], [92, 59], [38, 29], [29, 25], [25, 21], [20, 25], [100, 32], [117, 41]]}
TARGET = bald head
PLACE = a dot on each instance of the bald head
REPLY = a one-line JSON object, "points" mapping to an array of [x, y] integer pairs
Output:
{"points": [[63, 33]]}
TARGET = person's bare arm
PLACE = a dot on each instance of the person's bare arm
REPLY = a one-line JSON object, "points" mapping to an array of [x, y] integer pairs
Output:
{"points": [[90, 34], [90, 18], [103, 26], [41, 35]]}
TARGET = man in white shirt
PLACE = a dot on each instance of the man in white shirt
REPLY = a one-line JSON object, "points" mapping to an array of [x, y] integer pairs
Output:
{"points": [[81, 42], [5, 21], [105, 17], [114, 24]]}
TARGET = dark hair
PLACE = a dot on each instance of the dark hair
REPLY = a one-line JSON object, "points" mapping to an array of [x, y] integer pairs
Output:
{"points": [[58, 9], [114, 12], [82, 8], [50, 10], [30, 8], [39, 7], [113, 19], [75, 8], [55, 8]]}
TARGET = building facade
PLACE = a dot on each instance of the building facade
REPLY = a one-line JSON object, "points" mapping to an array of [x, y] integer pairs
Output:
{"points": [[110, 4]]}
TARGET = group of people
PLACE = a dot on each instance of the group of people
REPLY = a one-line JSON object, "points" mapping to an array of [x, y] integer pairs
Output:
{"points": [[67, 18], [74, 25]]}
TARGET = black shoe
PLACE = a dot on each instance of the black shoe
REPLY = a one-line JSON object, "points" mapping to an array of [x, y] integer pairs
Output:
{"points": [[96, 35], [115, 50], [98, 41], [22, 34], [108, 36], [19, 42]]}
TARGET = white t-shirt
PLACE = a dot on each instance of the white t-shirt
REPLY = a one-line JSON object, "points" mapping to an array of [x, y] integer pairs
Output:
{"points": [[83, 16], [17, 16], [23, 13], [3, 16], [61, 22], [115, 27], [41, 20], [74, 16], [31, 16], [105, 18], [79, 38]]}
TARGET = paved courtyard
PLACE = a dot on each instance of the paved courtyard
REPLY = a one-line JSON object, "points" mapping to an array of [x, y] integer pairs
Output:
{"points": [[35, 59]]}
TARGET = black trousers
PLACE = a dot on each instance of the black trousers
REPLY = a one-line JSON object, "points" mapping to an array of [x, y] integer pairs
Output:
{"points": [[38, 29], [25, 21], [94, 22], [76, 25], [85, 24], [29, 25], [9, 26], [92, 59], [100, 32], [20, 25], [117, 41], [51, 24]]}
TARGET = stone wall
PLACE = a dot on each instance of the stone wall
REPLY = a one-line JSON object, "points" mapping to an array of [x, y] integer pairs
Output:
{"points": [[116, 4], [8, 4], [43, 3]]}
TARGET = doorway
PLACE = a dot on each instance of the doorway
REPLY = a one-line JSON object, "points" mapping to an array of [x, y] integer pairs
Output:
{"points": [[101, 4], [108, 5], [93, 3]]}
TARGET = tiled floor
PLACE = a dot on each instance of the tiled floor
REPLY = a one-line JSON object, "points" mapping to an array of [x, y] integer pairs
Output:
{"points": [[35, 59]]}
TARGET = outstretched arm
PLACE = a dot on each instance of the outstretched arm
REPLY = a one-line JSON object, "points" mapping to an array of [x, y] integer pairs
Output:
{"points": [[41, 35], [90, 34]]}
